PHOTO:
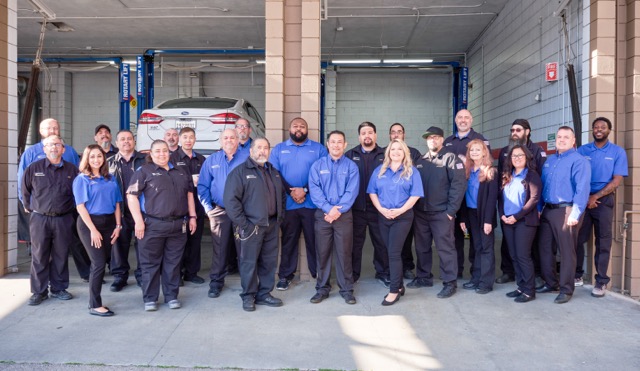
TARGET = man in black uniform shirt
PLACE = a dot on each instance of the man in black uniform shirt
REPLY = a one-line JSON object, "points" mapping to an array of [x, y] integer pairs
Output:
{"points": [[254, 198], [47, 193]]}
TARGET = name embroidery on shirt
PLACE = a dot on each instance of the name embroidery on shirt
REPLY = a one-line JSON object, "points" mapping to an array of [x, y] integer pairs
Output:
{"points": [[215, 166], [325, 172], [39, 174], [285, 151], [251, 177]]}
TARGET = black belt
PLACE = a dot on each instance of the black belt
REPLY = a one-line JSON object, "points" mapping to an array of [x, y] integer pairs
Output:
{"points": [[557, 206], [52, 214], [167, 219]]}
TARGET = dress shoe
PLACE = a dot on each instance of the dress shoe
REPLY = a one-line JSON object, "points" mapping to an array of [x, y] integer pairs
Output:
{"points": [[214, 292], [270, 301], [505, 278], [514, 294], [195, 279], [349, 298], [562, 298], [447, 291], [470, 285], [151, 306], [318, 298], [118, 286], [539, 282], [546, 289], [249, 304], [420, 282], [36, 299], [62, 295], [524, 298], [408, 274], [401, 291], [175, 304], [95, 312], [386, 303], [483, 290]]}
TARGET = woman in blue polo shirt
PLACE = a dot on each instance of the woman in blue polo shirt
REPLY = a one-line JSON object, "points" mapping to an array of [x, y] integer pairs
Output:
{"points": [[521, 189], [394, 188], [98, 199]]}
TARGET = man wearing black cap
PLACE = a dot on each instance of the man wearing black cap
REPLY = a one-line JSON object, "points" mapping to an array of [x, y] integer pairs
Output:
{"points": [[520, 134], [103, 139], [443, 179]]}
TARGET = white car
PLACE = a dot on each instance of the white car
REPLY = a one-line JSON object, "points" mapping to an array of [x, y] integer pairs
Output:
{"points": [[207, 116]]}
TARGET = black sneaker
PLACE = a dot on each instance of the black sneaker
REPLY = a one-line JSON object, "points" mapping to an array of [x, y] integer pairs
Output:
{"points": [[447, 291], [384, 281], [36, 299], [195, 279], [62, 295], [349, 298], [283, 284], [214, 292], [408, 274], [318, 298], [420, 282]]}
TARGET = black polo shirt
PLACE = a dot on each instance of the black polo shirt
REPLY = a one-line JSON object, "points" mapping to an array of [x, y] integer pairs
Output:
{"points": [[48, 188], [459, 145], [192, 165]]}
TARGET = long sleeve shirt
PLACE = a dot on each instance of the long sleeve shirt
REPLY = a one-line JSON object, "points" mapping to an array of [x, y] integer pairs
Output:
{"points": [[213, 176], [333, 183], [565, 179]]}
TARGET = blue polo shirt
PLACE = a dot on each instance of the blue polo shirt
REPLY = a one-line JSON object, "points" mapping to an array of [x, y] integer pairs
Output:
{"points": [[35, 153], [245, 147], [473, 185], [515, 196], [392, 190], [334, 183], [213, 176], [565, 179], [98, 195], [293, 161], [605, 162]]}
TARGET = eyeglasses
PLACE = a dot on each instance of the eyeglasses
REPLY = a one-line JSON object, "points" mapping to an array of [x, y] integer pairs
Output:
{"points": [[518, 156], [516, 130], [52, 145], [242, 126]]}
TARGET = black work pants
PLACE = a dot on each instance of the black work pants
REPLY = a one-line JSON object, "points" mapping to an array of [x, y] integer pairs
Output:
{"points": [[435, 227], [334, 239], [554, 229], [160, 252], [105, 224], [394, 232], [120, 251], [295, 222], [50, 240], [258, 261], [600, 220], [362, 220], [458, 234], [506, 260], [78, 253], [191, 258], [407, 252], [223, 242], [484, 265], [519, 239]]}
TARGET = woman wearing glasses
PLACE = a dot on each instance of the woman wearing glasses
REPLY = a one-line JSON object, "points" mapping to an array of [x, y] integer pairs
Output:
{"points": [[521, 189]]}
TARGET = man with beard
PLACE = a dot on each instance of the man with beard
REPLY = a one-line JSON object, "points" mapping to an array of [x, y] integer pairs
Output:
{"points": [[367, 156], [293, 159], [254, 197], [172, 138], [213, 176], [243, 128], [103, 139], [520, 134], [457, 143], [608, 167]]}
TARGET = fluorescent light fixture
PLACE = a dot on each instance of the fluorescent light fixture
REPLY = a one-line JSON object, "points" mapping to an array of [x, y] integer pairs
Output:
{"points": [[403, 61], [224, 61], [261, 61], [43, 9], [355, 61]]}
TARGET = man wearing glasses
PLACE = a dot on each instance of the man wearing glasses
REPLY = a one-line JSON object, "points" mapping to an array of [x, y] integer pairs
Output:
{"points": [[243, 128], [520, 134]]}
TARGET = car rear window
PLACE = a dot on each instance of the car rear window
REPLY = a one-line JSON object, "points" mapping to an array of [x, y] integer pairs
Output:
{"points": [[217, 103]]}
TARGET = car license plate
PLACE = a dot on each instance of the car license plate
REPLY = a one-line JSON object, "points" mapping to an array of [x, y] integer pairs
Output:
{"points": [[186, 124]]}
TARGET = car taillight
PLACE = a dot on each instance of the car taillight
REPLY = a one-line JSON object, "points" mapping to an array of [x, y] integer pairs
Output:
{"points": [[224, 118], [150, 119]]}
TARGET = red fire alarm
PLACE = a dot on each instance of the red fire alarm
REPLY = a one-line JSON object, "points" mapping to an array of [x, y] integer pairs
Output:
{"points": [[551, 73]]}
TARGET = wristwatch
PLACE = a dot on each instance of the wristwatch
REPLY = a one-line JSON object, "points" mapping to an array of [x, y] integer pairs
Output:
{"points": [[305, 189]]}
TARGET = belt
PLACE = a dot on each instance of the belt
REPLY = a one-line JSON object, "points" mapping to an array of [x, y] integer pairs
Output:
{"points": [[557, 206], [51, 214], [167, 219]]}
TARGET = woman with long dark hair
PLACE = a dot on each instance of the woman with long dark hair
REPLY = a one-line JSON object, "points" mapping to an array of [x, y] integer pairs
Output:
{"points": [[517, 207], [479, 212], [98, 198]]}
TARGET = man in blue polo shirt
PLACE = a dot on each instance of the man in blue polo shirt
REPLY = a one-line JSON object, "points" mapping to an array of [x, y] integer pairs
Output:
{"points": [[565, 191], [213, 176], [608, 167], [293, 159]]}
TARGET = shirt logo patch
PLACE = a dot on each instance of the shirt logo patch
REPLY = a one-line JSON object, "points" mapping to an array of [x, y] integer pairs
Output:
{"points": [[355, 158], [325, 172], [543, 154], [180, 164], [156, 174], [448, 144], [459, 166], [609, 158], [251, 177], [38, 174], [285, 151], [419, 166], [215, 166]]}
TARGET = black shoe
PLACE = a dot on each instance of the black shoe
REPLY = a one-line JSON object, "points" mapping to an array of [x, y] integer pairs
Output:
{"points": [[470, 285], [562, 298], [524, 298], [118, 286], [349, 298], [318, 298], [482, 290], [214, 292], [283, 284], [447, 291], [270, 301], [94, 312], [386, 303], [514, 294], [36, 299], [248, 304], [384, 281], [85, 279], [505, 278], [195, 279], [62, 295], [420, 282], [408, 274], [539, 282], [139, 281], [546, 289]]}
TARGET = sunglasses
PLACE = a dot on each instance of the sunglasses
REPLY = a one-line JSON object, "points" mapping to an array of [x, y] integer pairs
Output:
{"points": [[516, 130]]}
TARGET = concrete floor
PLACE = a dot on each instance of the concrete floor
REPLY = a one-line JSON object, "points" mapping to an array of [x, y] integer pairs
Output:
{"points": [[421, 332]]}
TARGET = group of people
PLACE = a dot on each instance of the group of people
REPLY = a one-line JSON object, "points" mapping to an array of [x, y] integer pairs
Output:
{"points": [[251, 195]]}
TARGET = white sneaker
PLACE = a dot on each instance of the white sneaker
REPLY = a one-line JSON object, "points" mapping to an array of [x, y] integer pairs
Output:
{"points": [[175, 304], [599, 290], [578, 282]]}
